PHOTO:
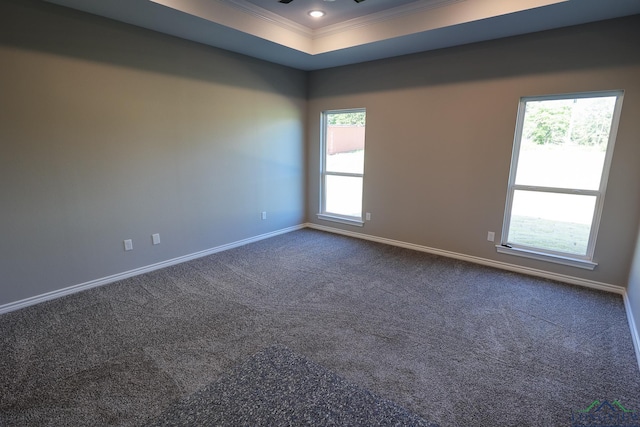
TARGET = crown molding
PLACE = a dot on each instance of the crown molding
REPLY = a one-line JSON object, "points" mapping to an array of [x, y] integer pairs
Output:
{"points": [[270, 17], [385, 15], [416, 17], [351, 24]]}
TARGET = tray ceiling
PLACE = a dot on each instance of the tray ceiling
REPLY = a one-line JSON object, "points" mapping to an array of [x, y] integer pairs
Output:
{"points": [[350, 32]]}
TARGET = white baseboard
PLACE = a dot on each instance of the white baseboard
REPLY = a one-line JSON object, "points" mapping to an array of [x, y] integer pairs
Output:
{"points": [[635, 335], [477, 260], [16, 305]]}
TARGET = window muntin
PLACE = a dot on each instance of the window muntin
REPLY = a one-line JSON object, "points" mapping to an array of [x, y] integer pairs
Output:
{"points": [[342, 165], [559, 169]]}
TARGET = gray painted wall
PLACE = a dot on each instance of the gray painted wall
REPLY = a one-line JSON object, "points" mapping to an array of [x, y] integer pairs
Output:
{"points": [[110, 132], [440, 129]]}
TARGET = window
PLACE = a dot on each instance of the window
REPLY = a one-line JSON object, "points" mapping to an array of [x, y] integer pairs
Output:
{"points": [[562, 151], [342, 165]]}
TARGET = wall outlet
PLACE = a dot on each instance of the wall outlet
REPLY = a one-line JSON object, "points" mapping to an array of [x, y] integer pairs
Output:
{"points": [[491, 236], [263, 215], [155, 238], [128, 245], [367, 216]]}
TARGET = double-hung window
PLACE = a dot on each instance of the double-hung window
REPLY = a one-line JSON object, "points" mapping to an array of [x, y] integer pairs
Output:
{"points": [[561, 156], [342, 165]]}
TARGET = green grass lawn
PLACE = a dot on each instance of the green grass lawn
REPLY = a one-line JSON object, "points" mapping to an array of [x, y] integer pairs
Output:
{"points": [[553, 235]]}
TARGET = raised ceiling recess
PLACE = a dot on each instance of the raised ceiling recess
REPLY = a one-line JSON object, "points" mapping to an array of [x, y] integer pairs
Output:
{"points": [[350, 31]]}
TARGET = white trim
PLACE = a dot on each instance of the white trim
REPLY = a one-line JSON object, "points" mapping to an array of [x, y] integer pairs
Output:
{"points": [[270, 17], [541, 256], [348, 221], [16, 305], [635, 335], [351, 24], [385, 15], [477, 260]]}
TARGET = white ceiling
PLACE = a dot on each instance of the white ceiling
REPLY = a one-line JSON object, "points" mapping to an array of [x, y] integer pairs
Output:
{"points": [[336, 10], [350, 32]]}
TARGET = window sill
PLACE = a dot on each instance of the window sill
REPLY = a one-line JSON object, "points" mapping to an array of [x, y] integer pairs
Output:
{"points": [[564, 260], [342, 220]]}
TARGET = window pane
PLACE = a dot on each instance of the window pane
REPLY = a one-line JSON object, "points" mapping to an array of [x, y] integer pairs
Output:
{"points": [[345, 142], [343, 195], [348, 161], [564, 142], [552, 221]]}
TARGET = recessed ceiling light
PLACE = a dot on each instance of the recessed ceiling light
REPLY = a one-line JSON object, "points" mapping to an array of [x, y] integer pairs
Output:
{"points": [[316, 13]]}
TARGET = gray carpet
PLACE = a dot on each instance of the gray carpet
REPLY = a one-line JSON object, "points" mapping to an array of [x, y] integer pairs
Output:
{"points": [[277, 387], [456, 344]]}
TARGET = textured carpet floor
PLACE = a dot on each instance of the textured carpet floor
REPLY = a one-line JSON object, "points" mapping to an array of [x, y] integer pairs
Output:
{"points": [[455, 343], [277, 387]]}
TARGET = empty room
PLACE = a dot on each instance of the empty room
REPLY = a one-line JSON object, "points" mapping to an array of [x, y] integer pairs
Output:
{"points": [[320, 212]]}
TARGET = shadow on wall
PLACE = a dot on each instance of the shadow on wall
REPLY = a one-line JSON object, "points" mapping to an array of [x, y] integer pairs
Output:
{"points": [[591, 46], [40, 26]]}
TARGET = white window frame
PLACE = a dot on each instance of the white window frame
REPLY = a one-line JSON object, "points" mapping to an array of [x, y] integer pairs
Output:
{"points": [[330, 216], [573, 260]]}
